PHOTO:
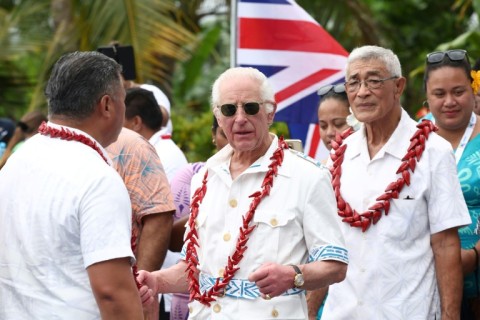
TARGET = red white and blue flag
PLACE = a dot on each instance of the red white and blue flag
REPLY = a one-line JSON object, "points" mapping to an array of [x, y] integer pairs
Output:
{"points": [[298, 56]]}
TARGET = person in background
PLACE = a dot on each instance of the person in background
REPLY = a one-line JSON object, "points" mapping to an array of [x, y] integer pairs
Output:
{"points": [[137, 162], [404, 265], [26, 128], [451, 97], [162, 101], [144, 117], [65, 214], [263, 218], [181, 194], [333, 111]]}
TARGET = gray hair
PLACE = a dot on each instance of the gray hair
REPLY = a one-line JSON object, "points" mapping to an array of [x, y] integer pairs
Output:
{"points": [[266, 90], [390, 59], [78, 81]]}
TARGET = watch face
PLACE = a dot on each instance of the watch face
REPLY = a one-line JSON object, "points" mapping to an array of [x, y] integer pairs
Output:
{"points": [[299, 280]]}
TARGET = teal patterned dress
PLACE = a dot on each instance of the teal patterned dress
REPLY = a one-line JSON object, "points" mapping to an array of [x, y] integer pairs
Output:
{"points": [[469, 176]]}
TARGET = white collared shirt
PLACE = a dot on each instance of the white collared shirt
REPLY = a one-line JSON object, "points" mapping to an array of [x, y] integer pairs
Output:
{"points": [[170, 154], [294, 223], [62, 209], [391, 274]]}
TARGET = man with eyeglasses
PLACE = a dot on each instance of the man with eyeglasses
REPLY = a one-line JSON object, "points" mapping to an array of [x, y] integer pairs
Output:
{"points": [[262, 228], [399, 203]]}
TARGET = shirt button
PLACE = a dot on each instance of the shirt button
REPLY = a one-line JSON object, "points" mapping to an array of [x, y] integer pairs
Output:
{"points": [[217, 308], [227, 236], [233, 203], [274, 313], [273, 222], [360, 303], [221, 272], [190, 309]]}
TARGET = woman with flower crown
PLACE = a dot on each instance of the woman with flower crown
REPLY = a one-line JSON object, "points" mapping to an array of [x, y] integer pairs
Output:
{"points": [[450, 95]]}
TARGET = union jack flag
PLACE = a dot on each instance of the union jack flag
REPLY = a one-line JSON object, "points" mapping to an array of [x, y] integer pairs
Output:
{"points": [[298, 56]]}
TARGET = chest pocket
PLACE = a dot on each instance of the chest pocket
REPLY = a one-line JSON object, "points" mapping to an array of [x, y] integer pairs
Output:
{"points": [[271, 226], [407, 220]]}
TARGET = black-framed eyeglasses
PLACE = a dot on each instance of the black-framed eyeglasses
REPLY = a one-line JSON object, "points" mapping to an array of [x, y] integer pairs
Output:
{"points": [[339, 88], [250, 108], [372, 83], [453, 55]]}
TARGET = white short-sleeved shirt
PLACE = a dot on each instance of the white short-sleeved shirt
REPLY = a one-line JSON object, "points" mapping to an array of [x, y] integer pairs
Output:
{"points": [[294, 224], [391, 274], [170, 154], [62, 209]]}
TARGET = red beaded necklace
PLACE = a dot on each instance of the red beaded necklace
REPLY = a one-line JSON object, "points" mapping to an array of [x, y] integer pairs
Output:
{"points": [[374, 213], [66, 134], [245, 230]]}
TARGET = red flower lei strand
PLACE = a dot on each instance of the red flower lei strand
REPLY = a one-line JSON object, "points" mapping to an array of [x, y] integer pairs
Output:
{"points": [[374, 213], [65, 134], [192, 237]]}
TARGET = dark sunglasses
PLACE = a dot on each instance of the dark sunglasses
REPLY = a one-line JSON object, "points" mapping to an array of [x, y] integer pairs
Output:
{"points": [[339, 88], [453, 55], [250, 108]]}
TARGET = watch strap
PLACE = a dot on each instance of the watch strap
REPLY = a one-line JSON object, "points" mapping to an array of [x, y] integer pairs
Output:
{"points": [[297, 269]]}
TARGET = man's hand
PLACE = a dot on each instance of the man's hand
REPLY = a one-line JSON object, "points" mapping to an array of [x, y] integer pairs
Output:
{"points": [[273, 279], [148, 290]]}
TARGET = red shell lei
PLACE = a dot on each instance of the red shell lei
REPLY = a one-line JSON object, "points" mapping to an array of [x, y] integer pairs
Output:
{"points": [[192, 237], [65, 134], [374, 213]]}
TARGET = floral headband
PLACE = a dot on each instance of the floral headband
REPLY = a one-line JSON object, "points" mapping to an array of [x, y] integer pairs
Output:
{"points": [[476, 80]]}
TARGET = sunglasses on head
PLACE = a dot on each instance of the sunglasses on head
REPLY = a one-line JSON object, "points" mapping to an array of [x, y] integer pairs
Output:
{"points": [[250, 108], [339, 88], [453, 55]]}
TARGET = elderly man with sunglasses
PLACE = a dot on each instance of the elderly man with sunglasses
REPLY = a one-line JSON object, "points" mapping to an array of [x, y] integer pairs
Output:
{"points": [[399, 201], [262, 227]]}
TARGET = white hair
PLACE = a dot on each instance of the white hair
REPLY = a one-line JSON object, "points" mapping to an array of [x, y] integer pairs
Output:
{"points": [[266, 90], [387, 56]]}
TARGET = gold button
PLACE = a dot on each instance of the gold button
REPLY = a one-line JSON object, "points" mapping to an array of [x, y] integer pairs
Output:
{"points": [[227, 236], [273, 222], [233, 203], [190, 309], [217, 308], [221, 272], [274, 313]]}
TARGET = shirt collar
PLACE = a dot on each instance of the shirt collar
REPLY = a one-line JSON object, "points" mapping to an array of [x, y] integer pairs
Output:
{"points": [[221, 160], [396, 145], [78, 131]]}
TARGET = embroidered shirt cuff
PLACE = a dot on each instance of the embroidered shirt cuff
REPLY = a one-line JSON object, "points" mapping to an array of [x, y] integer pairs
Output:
{"points": [[328, 252]]}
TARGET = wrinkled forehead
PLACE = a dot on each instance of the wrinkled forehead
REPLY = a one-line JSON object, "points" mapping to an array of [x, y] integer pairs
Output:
{"points": [[239, 88], [364, 68]]}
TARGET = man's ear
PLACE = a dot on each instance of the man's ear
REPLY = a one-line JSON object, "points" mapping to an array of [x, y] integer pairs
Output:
{"points": [[271, 115], [135, 123], [400, 86], [105, 105]]}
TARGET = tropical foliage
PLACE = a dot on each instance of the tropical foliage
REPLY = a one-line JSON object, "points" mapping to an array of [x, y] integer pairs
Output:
{"points": [[182, 45]]}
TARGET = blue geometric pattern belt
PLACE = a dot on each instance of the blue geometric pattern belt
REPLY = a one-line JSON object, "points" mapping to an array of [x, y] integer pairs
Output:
{"points": [[238, 288]]}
